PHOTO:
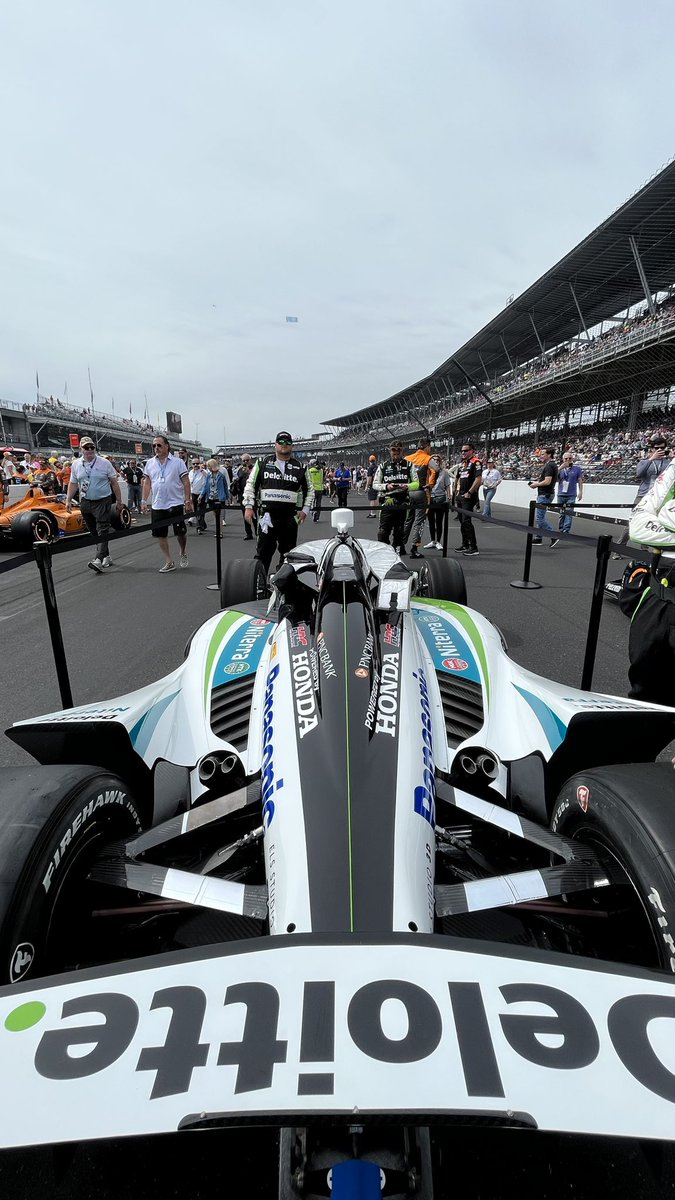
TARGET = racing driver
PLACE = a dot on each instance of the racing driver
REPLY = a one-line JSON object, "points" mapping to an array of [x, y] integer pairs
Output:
{"points": [[393, 480], [651, 646], [280, 490]]}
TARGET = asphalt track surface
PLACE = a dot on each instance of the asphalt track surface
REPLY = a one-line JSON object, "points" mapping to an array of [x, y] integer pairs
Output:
{"points": [[129, 626]]}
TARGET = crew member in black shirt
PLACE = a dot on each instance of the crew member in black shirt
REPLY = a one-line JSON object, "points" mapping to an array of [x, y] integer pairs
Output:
{"points": [[393, 480], [280, 493], [545, 486], [467, 487]]}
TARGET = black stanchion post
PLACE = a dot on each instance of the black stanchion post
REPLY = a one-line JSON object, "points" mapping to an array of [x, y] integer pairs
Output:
{"points": [[446, 523], [43, 558], [602, 554], [215, 587], [526, 582]]}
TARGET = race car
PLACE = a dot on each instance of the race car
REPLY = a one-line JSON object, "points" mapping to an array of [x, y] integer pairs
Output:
{"points": [[348, 870], [41, 518]]}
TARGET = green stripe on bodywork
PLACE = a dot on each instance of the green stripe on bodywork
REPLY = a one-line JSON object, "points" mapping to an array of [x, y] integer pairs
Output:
{"points": [[225, 623], [347, 748], [470, 628]]}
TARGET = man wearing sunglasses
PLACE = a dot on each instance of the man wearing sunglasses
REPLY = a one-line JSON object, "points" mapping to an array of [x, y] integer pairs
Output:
{"points": [[466, 497], [280, 494], [167, 480]]}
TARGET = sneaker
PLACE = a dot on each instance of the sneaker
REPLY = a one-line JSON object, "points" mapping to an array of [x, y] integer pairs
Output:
{"points": [[414, 553], [554, 542], [536, 541], [471, 552], [96, 565], [170, 566], [107, 561], [438, 545], [431, 546], [458, 549], [371, 517], [184, 561]]}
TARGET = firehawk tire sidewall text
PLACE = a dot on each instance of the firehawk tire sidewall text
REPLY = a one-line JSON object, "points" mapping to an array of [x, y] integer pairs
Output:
{"points": [[54, 822], [629, 811]]}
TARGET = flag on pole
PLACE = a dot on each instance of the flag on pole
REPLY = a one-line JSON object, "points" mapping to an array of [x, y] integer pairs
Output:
{"points": [[291, 320], [37, 382]]}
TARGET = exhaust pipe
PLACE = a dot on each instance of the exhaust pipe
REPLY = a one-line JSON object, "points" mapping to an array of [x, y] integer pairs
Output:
{"points": [[212, 763], [488, 765], [467, 764]]}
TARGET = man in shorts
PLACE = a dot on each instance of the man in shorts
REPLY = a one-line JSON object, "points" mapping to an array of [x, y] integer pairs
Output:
{"points": [[166, 482]]}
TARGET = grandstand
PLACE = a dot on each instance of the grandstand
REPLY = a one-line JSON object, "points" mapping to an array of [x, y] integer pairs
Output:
{"points": [[48, 423], [591, 343]]}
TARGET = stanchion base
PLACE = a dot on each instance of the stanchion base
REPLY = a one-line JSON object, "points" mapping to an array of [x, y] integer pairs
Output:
{"points": [[215, 587], [524, 583]]}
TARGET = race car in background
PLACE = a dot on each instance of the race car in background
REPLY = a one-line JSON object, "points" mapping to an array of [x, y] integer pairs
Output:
{"points": [[348, 870], [41, 518]]}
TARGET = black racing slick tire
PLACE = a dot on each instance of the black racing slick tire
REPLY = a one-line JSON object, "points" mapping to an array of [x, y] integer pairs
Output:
{"points": [[627, 814], [120, 520], [29, 527], [54, 822], [243, 580], [443, 579]]}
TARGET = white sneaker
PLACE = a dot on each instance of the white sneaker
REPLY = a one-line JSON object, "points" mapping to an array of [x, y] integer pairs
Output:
{"points": [[184, 562], [96, 565], [107, 561], [431, 546], [439, 545], [170, 566]]}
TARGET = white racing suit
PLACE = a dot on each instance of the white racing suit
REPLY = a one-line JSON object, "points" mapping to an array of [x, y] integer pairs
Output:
{"points": [[651, 646]]}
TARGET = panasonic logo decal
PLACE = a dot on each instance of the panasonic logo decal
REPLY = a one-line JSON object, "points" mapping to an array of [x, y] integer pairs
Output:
{"points": [[268, 782]]}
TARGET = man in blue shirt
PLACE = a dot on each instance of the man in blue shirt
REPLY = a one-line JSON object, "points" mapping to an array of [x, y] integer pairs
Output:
{"points": [[343, 482], [96, 479], [570, 490]]}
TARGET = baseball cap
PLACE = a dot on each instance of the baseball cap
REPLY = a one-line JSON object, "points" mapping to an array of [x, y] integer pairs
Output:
{"points": [[658, 440], [396, 445], [284, 436], [85, 441]]}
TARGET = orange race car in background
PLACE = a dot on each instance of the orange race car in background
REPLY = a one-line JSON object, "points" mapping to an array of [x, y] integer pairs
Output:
{"points": [[42, 518]]}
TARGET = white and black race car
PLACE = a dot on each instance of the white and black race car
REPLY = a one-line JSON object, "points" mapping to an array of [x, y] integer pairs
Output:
{"points": [[348, 862]]}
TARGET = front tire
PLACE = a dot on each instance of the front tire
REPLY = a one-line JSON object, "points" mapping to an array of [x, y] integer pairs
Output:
{"points": [[443, 579], [54, 822], [243, 580], [627, 814]]}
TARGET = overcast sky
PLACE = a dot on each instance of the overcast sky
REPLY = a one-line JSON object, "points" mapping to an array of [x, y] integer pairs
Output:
{"points": [[179, 178]]}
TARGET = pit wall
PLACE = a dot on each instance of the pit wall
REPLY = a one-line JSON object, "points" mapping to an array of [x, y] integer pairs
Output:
{"points": [[515, 492]]}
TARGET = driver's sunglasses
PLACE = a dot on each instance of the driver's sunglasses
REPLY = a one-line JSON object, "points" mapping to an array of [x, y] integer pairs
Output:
{"points": [[466, 449], [284, 442], [157, 445]]}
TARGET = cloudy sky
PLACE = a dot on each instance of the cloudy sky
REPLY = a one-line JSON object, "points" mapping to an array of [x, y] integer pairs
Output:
{"points": [[178, 178]]}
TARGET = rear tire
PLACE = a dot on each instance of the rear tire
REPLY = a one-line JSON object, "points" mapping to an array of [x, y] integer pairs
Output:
{"points": [[443, 579], [54, 821], [120, 520], [29, 527], [243, 580], [629, 819]]}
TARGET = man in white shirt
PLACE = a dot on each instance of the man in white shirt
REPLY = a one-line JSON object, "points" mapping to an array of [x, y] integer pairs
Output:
{"points": [[198, 477], [96, 479], [491, 481], [166, 479]]}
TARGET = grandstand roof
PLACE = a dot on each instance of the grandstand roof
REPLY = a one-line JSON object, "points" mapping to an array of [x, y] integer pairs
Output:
{"points": [[598, 279]]}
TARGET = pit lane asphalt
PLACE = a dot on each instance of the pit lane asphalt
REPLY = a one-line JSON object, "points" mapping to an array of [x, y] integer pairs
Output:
{"points": [[128, 627]]}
